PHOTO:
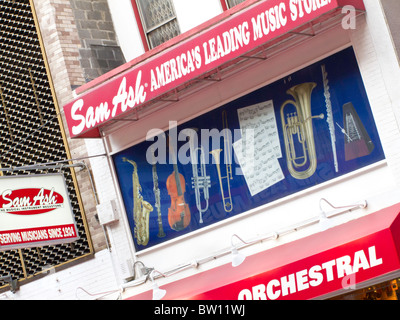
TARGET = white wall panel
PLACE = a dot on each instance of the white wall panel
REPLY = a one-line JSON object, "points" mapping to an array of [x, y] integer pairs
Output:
{"points": [[191, 13], [126, 28]]}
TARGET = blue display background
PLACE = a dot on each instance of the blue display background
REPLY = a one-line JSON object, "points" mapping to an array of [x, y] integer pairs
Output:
{"points": [[345, 86]]}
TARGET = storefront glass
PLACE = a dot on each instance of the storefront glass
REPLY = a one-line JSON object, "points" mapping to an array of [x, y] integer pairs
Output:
{"points": [[305, 129], [388, 290]]}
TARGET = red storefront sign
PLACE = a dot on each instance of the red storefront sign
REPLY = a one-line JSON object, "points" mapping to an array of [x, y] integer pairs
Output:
{"points": [[339, 258], [35, 210], [30, 201], [24, 238], [212, 46], [311, 277]]}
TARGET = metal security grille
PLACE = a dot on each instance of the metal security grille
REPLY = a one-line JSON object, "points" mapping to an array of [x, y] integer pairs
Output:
{"points": [[159, 21], [30, 132]]}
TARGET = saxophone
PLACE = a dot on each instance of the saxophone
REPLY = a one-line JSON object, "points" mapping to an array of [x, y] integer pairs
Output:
{"points": [[141, 209]]}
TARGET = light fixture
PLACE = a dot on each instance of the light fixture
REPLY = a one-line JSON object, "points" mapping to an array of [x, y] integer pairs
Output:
{"points": [[323, 219], [158, 293], [325, 223], [237, 258], [361, 205]]}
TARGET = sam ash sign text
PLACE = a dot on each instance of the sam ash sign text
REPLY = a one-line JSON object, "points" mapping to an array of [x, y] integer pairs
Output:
{"points": [[35, 210], [199, 55]]}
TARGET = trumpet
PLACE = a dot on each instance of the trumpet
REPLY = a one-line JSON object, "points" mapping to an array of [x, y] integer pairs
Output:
{"points": [[300, 123], [200, 180], [226, 198]]}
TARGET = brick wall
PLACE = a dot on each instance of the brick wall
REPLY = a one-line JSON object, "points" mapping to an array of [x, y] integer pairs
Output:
{"points": [[99, 52], [62, 43]]}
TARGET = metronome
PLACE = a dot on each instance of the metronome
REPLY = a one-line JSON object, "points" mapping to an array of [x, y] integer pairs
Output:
{"points": [[357, 141]]}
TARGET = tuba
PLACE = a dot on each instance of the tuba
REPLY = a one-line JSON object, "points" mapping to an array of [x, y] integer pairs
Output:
{"points": [[300, 151], [141, 209]]}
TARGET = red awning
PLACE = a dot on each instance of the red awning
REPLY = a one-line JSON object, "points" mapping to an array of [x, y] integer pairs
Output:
{"points": [[244, 32], [318, 265]]}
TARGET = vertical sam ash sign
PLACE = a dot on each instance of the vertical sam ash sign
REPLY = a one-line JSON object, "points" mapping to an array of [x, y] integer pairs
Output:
{"points": [[35, 211]]}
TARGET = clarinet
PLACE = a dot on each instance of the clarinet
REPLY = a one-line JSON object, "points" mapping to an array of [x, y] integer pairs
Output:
{"points": [[161, 233]]}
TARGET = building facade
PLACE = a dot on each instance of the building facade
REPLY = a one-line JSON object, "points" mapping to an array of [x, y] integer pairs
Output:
{"points": [[197, 133]]}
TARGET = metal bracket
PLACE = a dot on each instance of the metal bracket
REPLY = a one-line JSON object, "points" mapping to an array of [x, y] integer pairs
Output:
{"points": [[13, 283]]}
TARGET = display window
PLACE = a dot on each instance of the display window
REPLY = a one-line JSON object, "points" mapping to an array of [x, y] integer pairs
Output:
{"points": [[388, 290], [305, 129]]}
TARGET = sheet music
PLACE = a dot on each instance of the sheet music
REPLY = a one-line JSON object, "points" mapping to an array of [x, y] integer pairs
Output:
{"points": [[259, 149]]}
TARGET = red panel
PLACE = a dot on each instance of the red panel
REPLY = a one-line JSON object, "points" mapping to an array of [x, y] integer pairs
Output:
{"points": [[357, 4], [223, 5], [369, 244], [189, 57]]}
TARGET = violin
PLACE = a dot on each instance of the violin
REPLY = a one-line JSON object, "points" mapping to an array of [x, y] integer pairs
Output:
{"points": [[179, 213]]}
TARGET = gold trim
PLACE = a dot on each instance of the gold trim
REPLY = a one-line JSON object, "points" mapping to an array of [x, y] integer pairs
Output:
{"points": [[21, 257]]}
